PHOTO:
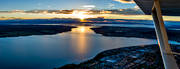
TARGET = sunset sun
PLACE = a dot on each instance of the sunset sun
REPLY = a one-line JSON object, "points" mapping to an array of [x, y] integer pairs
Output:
{"points": [[80, 14]]}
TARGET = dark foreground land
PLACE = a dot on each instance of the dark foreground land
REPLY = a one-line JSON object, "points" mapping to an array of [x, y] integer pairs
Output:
{"points": [[27, 30], [135, 57]]}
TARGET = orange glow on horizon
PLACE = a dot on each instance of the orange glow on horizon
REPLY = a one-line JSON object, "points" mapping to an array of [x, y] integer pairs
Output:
{"points": [[82, 15]]}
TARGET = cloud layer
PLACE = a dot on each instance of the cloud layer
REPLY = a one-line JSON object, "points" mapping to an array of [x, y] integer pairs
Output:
{"points": [[125, 1]]}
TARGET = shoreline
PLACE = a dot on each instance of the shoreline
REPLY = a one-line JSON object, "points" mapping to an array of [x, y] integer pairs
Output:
{"points": [[138, 32], [28, 30]]}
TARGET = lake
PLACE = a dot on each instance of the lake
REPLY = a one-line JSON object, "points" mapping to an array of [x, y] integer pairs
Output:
{"points": [[50, 51]]}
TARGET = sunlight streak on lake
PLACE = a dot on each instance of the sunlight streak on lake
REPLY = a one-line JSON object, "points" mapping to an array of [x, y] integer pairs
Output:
{"points": [[82, 42]]}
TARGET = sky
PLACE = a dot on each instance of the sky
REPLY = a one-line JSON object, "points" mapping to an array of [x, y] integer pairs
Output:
{"points": [[6, 5]]}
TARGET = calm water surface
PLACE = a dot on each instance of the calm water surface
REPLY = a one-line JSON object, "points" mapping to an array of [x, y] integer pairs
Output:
{"points": [[50, 51]]}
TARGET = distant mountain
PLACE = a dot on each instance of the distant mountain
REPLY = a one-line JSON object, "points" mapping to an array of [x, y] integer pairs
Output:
{"points": [[73, 21], [130, 11]]}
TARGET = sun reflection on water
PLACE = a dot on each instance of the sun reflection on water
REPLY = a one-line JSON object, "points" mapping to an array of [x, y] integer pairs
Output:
{"points": [[81, 41], [82, 29]]}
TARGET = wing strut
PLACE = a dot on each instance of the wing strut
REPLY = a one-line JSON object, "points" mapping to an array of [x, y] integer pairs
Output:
{"points": [[168, 58]]}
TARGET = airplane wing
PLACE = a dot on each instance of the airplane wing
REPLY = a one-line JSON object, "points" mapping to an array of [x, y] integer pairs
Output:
{"points": [[168, 7], [157, 8]]}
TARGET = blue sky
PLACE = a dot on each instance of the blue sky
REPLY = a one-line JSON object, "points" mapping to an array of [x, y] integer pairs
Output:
{"points": [[61, 4]]}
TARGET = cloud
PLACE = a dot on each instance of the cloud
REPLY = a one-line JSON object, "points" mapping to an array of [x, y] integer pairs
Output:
{"points": [[125, 1], [89, 6]]}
